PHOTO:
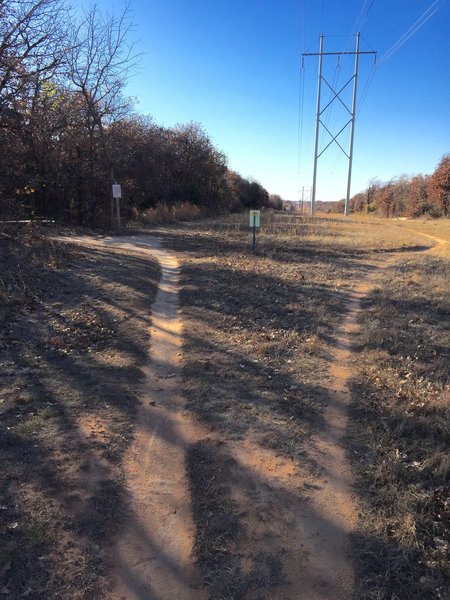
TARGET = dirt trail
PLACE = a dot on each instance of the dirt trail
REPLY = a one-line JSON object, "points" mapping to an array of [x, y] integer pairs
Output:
{"points": [[330, 514], [301, 517], [304, 516], [441, 247], [153, 555]]}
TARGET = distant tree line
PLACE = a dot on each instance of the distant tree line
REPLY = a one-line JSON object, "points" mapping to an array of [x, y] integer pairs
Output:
{"points": [[67, 133], [407, 196]]}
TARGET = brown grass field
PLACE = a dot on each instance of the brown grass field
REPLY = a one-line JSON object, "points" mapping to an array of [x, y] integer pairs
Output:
{"points": [[259, 335]]}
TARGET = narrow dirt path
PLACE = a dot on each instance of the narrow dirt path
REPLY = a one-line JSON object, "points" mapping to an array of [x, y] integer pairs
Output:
{"points": [[305, 515], [329, 515], [152, 559], [441, 247]]}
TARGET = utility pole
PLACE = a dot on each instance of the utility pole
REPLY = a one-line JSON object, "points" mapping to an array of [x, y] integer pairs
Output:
{"points": [[302, 201], [316, 140], [320, 111], [352, 126]]}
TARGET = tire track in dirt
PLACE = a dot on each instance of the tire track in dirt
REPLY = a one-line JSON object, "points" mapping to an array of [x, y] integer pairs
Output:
{"points": [[329, 514], [304, 515], [152, 558]]}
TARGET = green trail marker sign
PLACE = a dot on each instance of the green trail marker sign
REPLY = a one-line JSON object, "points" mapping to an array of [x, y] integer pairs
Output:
{"points": [[255, 218], [255, 223]]}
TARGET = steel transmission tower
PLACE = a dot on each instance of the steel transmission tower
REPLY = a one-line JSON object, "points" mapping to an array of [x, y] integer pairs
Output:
{"points": [[351, 111]]}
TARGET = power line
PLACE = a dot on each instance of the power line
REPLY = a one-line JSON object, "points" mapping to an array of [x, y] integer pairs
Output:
{"points": [[366, 87], [360, 21], [301, 12], [424, 17], [300, 119], [301, 18], [369, 79]]}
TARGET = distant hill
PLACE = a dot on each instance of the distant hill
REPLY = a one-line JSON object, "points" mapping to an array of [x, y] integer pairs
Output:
{"points": [[329, 207], [321, 206]]}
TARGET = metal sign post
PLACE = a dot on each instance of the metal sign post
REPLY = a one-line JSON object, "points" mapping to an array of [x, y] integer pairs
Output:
{"points": [[255, 222], [117, 195]]}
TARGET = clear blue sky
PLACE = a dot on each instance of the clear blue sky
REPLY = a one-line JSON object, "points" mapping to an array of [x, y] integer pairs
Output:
{"points": [[234, 67]]}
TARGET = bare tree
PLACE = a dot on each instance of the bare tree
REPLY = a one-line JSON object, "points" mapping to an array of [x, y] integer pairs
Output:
{"points": [[100, 60], [31, 44], [373, 187]]}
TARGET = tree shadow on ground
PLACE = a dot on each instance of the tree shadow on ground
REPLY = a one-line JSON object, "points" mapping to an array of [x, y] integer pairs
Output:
{"points": [[71, 361]]}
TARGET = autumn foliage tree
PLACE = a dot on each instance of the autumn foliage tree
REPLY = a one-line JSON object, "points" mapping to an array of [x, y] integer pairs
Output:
{"points": [[439, 186], [387, 199], [417, 200], [67, 132], [409, 196]]}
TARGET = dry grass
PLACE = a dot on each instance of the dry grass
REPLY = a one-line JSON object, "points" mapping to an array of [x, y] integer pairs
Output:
{"points": [[24, 253], [72, 341], [366, 234], [163, 214], [439, 228], [401, 434], [259, 335], [219, 530]]}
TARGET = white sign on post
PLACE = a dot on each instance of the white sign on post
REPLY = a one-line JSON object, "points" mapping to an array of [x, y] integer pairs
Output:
{"points": [[117, 190], [255, 218]]}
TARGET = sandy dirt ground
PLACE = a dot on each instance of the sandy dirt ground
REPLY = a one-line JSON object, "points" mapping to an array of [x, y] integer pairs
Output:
{"points": [[304, 516], [152, 559]]}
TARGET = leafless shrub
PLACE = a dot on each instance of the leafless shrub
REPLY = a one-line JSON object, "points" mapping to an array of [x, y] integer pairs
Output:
{"points": [[163, 213]]}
